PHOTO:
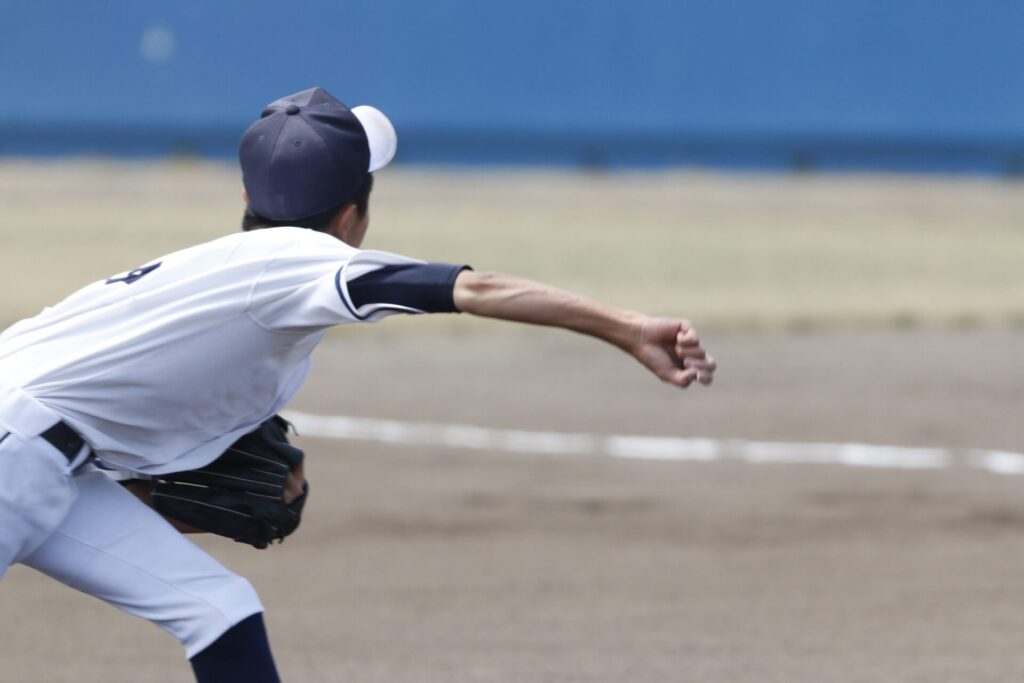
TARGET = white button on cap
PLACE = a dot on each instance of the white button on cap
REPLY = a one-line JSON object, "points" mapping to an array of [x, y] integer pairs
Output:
{"points": [[379, 133]]}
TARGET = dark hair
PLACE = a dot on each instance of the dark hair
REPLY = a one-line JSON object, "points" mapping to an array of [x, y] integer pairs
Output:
{"points": [[318, 222]]}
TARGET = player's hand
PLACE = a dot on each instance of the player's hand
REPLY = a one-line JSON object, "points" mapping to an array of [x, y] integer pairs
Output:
{"points": [[671, 350], [294, 486]]}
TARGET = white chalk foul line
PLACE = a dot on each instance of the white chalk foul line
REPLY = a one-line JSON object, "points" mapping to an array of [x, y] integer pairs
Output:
{"points": [[648, 447]]}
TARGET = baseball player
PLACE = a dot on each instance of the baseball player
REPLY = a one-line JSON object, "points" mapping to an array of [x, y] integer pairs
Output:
{"points": [[165, 367]]}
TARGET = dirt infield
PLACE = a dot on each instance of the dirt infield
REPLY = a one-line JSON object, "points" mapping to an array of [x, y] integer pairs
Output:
{"points": [[417, 564]]}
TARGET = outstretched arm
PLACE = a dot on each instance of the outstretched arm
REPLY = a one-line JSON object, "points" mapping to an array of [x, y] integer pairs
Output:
{"points": [[668, 347]]}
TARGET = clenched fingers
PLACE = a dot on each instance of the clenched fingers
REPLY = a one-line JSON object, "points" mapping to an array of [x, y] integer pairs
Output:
{"points": [[705, 363], [705, 367], [692, 355], [682, 377], [687, 336]]}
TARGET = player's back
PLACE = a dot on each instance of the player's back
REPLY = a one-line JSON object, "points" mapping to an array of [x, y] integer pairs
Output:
{"points": [[153, 363]]}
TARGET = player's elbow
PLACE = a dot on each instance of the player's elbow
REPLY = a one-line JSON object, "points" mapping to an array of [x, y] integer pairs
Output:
{"points": [[472, 290]]}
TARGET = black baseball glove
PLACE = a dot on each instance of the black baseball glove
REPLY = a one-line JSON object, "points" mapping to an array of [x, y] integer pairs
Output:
{"points": [[239, 495]]}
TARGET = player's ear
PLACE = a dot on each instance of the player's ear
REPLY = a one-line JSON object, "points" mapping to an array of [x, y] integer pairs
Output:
{"points": [[245, 197], [345, 223]]}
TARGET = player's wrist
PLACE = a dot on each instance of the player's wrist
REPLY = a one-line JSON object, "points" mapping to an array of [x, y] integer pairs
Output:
{"points": [[629, 331]]}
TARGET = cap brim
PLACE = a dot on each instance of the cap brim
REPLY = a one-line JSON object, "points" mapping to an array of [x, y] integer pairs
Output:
{"points": [[379, 133]]}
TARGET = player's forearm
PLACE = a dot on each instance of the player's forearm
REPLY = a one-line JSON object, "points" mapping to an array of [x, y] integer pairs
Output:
{"points": [[495, 295], [670, 348]]}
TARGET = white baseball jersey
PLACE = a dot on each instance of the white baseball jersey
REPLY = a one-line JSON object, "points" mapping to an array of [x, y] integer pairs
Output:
{"points": [[162, 368]]}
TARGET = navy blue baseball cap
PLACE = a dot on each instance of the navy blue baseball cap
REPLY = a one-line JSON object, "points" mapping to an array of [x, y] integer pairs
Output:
{"points": [[308, 153]]}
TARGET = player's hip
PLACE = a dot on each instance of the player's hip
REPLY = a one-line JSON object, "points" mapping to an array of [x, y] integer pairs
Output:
{"points": [[36, 492]]}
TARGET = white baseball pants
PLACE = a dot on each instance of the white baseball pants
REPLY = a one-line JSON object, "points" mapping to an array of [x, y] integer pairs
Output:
{"points": [[89, 533]]}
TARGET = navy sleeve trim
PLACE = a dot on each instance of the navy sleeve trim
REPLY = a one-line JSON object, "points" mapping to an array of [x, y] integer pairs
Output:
{"points": [[414, 287]]}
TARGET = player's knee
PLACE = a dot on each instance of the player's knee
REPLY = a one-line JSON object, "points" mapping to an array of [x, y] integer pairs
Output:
{"points": [[211, 611]]}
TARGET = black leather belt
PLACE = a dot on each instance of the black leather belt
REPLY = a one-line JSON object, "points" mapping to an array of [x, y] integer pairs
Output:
{"points": [[64, 439]]}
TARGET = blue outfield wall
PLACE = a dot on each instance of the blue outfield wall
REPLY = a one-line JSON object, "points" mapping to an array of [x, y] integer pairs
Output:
{"points": [[885, 84]]}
